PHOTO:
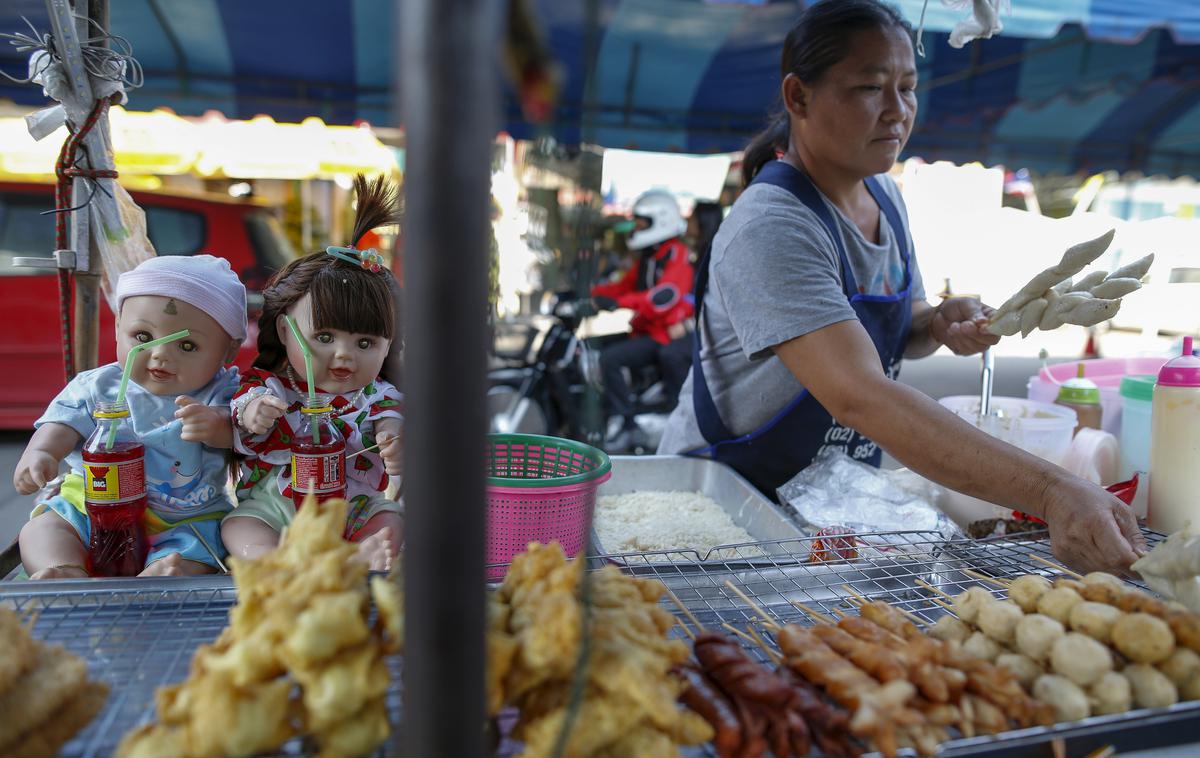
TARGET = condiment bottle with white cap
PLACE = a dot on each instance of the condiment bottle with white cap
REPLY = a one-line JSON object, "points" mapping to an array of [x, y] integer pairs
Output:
{"points": [[1175, 444], [1082, 396]]}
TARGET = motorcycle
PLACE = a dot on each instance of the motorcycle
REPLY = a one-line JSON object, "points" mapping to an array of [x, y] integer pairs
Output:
{"points": [[549, 383]]}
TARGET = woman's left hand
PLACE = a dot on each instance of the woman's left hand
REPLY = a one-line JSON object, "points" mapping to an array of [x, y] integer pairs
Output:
{"points": [[958, 324]]}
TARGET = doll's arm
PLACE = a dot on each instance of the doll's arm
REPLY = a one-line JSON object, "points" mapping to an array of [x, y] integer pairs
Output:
{"points": [[391, 444], [39, 463], [202, 423]]}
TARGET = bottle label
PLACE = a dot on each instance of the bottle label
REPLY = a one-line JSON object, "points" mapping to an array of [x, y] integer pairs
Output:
{"points": [[114, 482], [320, 474]]}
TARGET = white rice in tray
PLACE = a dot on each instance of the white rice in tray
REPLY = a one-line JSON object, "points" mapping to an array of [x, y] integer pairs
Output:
{"points": [[647, 521]]}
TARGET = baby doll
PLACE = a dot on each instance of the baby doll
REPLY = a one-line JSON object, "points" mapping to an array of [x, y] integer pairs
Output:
{"points": [[346, 312], [178, 399]]}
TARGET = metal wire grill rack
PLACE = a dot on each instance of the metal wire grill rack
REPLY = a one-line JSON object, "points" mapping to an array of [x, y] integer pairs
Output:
{"points": [[136, 636], [781, 580]]}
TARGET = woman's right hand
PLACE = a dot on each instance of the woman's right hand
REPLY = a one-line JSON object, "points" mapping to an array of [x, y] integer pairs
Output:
{"points": [[261, 413], [1090, 529]]}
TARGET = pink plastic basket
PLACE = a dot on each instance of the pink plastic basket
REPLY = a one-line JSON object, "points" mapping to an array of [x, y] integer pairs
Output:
{"points": [[540, 489]]}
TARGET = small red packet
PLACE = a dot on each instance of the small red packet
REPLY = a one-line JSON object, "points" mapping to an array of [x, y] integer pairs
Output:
{"points": [[1125, 492]]}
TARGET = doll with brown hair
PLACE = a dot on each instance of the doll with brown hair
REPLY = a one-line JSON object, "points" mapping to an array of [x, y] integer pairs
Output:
{"points": [[346, 312]]}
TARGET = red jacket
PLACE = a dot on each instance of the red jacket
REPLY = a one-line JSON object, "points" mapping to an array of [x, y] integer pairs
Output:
{"points": [[655, 290]]}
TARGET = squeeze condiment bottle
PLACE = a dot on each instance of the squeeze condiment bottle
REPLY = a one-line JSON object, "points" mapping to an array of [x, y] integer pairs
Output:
{"points": [[1175, 443], [114, 494], [1082, 396], [318, 460]]}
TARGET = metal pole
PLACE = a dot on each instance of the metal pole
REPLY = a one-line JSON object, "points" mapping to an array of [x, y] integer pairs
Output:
{"points": [[86, 327], [448, 83]]}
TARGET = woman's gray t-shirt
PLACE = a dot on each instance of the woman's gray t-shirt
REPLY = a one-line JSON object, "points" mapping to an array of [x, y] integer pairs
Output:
{"points": [[774, 276]]}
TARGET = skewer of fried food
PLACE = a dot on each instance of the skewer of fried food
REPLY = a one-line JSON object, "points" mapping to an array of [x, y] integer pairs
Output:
{"points": [[686, 611], [775, 656], [938, 595], [815, 614], [691, 635], [770, 622], [1059, 568], [1001, 583]]}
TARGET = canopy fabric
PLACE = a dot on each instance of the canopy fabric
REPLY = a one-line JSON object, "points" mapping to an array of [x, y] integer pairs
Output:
{"points": [[1070, 85]]}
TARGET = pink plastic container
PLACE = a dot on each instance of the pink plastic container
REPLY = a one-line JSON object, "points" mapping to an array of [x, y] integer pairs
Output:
{"points": [[540, 489], [1107, 373]]}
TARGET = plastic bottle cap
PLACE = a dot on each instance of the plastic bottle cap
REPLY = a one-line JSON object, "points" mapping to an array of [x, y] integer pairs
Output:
{"points": [[1079, 391], [1138, 387], [1183, 370]]}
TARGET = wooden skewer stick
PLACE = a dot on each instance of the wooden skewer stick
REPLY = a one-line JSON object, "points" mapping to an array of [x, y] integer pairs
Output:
{"points": [[914, 618], [1001, 583], [691, 635], [944, 604], [770, 622], [840, 613], [738, 632], [817, 615], [934, 590], [1108, 751], [1056, 567], [686, 611], [862, 600], [364, 450], [774, 655]]}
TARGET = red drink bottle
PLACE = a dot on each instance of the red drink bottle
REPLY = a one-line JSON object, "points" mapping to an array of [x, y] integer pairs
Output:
{"points": [[115, 494], [318, 454]]}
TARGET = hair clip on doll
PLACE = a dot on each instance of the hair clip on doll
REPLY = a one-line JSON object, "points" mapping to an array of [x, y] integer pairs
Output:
{"points": [[369, 259]]}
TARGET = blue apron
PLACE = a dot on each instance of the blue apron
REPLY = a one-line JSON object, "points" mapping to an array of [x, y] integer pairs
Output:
{"points": [[771, 455]]}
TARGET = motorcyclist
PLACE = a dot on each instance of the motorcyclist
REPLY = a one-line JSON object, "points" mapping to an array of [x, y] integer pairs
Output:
{"points": [[655, 289]]}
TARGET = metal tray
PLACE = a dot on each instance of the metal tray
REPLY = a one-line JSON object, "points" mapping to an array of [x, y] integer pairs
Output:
{"points": [[136, 635], [748, 508]]}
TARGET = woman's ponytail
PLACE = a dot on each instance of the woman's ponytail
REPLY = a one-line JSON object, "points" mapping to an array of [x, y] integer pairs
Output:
{"points": [[764, 147]]}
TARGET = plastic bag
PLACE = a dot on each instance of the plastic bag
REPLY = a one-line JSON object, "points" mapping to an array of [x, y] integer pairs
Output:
{"points": [[122, 245], [838, 491]]}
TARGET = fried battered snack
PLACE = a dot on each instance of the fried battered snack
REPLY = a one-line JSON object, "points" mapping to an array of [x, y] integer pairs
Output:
{"points": [[628, 694], [17, 652], [45, 697], [299, 656]]}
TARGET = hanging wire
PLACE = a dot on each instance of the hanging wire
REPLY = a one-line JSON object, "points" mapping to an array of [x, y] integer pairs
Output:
{"points": [[921, 30], [106, 57]]}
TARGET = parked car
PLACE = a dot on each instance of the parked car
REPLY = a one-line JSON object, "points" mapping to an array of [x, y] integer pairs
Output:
{"points": [[245, 232]]}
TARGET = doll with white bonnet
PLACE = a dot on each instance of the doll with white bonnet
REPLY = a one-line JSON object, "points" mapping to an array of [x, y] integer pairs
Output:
{"points": [[178, 399], [344, 303]]}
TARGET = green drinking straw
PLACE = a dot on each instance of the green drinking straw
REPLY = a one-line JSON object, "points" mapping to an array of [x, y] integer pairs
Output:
{"points": [[308, 372], [129, 360]]}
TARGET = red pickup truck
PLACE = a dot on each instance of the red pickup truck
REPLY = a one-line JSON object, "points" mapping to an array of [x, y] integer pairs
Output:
{"points": [[245, 232]]}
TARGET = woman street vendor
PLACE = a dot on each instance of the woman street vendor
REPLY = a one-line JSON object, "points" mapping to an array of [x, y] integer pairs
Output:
{"points": [[811, 297]]}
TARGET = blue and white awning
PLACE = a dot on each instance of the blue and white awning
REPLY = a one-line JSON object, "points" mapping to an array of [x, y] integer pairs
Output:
{"points": [[1069, 85]]}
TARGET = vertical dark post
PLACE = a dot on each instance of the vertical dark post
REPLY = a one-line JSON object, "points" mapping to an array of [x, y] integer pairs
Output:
{"points": [[86, 333], [448, 96]]}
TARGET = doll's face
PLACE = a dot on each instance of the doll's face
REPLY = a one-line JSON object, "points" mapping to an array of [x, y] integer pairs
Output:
{"points": [[342, 361], [178, 367]]}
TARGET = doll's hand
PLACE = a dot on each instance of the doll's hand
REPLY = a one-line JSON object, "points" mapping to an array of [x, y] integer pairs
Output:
{"points": [[35, 468], [202, 423], [391, 450], [261, 414]]}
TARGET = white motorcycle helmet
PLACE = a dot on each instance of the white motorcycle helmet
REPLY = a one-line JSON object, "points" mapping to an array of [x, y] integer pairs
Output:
{"points": [[659, 208]]}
